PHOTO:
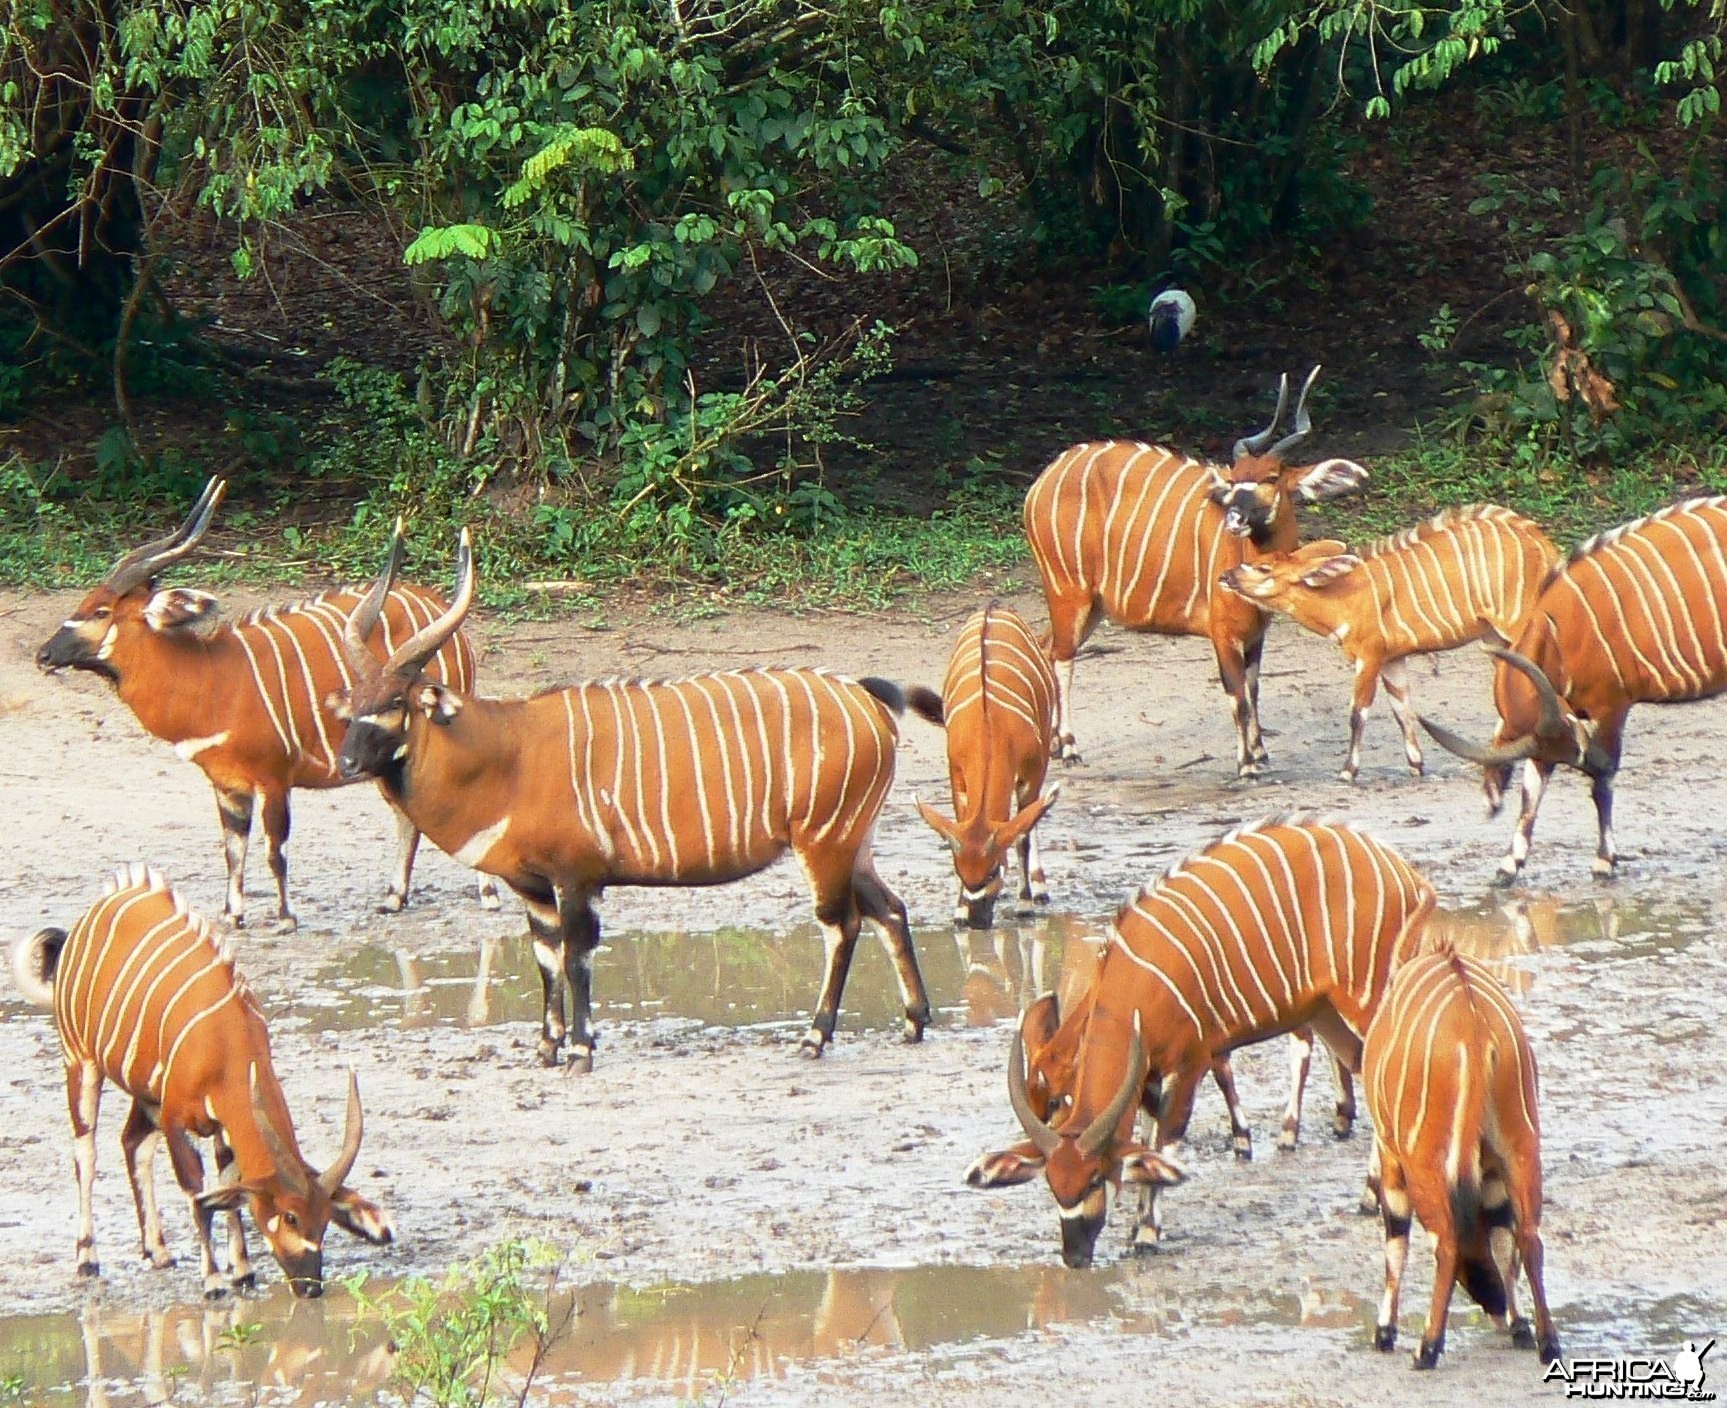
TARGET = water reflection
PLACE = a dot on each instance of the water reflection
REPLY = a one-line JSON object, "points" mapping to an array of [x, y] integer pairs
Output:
{"points": [[272, 1348], [728, 978], [688, 1337], [747, 977]]}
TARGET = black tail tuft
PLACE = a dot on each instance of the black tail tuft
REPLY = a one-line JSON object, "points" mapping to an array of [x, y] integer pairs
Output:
{"points": [[887, 691], [1480, 1278], [34, 961], [925, 703]]}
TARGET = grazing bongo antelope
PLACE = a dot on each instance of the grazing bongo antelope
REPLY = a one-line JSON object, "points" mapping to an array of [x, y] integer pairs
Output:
{"points": [[1052, 1056], [1637, 615], [626, 782], [1143, 533], [1451, 1085], [1275, 926], [245, 702], [998, 702], [1050, 1063], [144, 996], [1469, 573]]}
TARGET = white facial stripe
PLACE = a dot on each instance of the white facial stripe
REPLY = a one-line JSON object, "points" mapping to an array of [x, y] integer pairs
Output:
{"points": [[107, 647]]}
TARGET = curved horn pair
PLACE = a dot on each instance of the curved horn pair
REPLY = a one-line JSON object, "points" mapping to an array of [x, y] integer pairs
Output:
{"points": [[332, 1178], [413, 653], [1303, 422], [363, 619], [141, 564], [1099, 1132], [1261, 444], [1551, 724], [1041, 1135], [1255, 444], [291, 1168], [1102, 1129]]}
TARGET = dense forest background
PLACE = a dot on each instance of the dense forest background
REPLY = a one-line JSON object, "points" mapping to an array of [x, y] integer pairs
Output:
{"points": [[721, 290]]}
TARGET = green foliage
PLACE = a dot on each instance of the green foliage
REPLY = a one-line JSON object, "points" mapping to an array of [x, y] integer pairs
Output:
{"points": [[597, 188], [1634, 289], [41, 538], [1570, 501], [452, 1335], [240, 1334]]}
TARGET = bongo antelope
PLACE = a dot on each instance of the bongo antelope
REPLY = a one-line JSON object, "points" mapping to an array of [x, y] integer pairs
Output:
{"points": [[1469, 573], [1052, 1055], [626, 782], [1142, 534], [1451, 1084], [144, 996], [1637, 615], [1275, 926], [998, 703], [244, 702]]}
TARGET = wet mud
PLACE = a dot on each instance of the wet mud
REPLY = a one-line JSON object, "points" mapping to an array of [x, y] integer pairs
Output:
{"points": [[746, 1226]]}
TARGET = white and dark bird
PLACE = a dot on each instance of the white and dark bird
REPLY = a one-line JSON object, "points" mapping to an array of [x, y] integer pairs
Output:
{"points": [[1171, 318]]}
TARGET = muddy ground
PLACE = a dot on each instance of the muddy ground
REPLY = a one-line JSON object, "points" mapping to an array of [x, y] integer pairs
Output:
{"points": [[762, 1228]]}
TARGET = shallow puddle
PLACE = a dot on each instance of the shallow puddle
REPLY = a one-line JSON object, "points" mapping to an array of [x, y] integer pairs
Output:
{"points": [[737, 977], [276, 1350], [693, 1340], [1610, 969], [725, 978]]}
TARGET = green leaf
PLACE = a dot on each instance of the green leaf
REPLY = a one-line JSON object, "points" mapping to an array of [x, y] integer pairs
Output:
{"points": [[446, 241]]}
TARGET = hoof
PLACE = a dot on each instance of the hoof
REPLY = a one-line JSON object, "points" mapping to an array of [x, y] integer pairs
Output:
{"points": [[489, 900], [90, 1268], [163, 1261], [812, 1046], [581, 1062], [547, 1051], [392, 903], [1346, 774], [1287, 1138], [1522, 1334], [1503, 876], [234, 921], [1368, 1204], [1385, 1338], [913, 1032], [1549, 1349], [1243, 1148], [1342, 1129], [248, 1282], [1605, 869], [284, 924], [1146, 1241], [1427, 1356], [215, 1293], [1418, 769], [1251, 770]]}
